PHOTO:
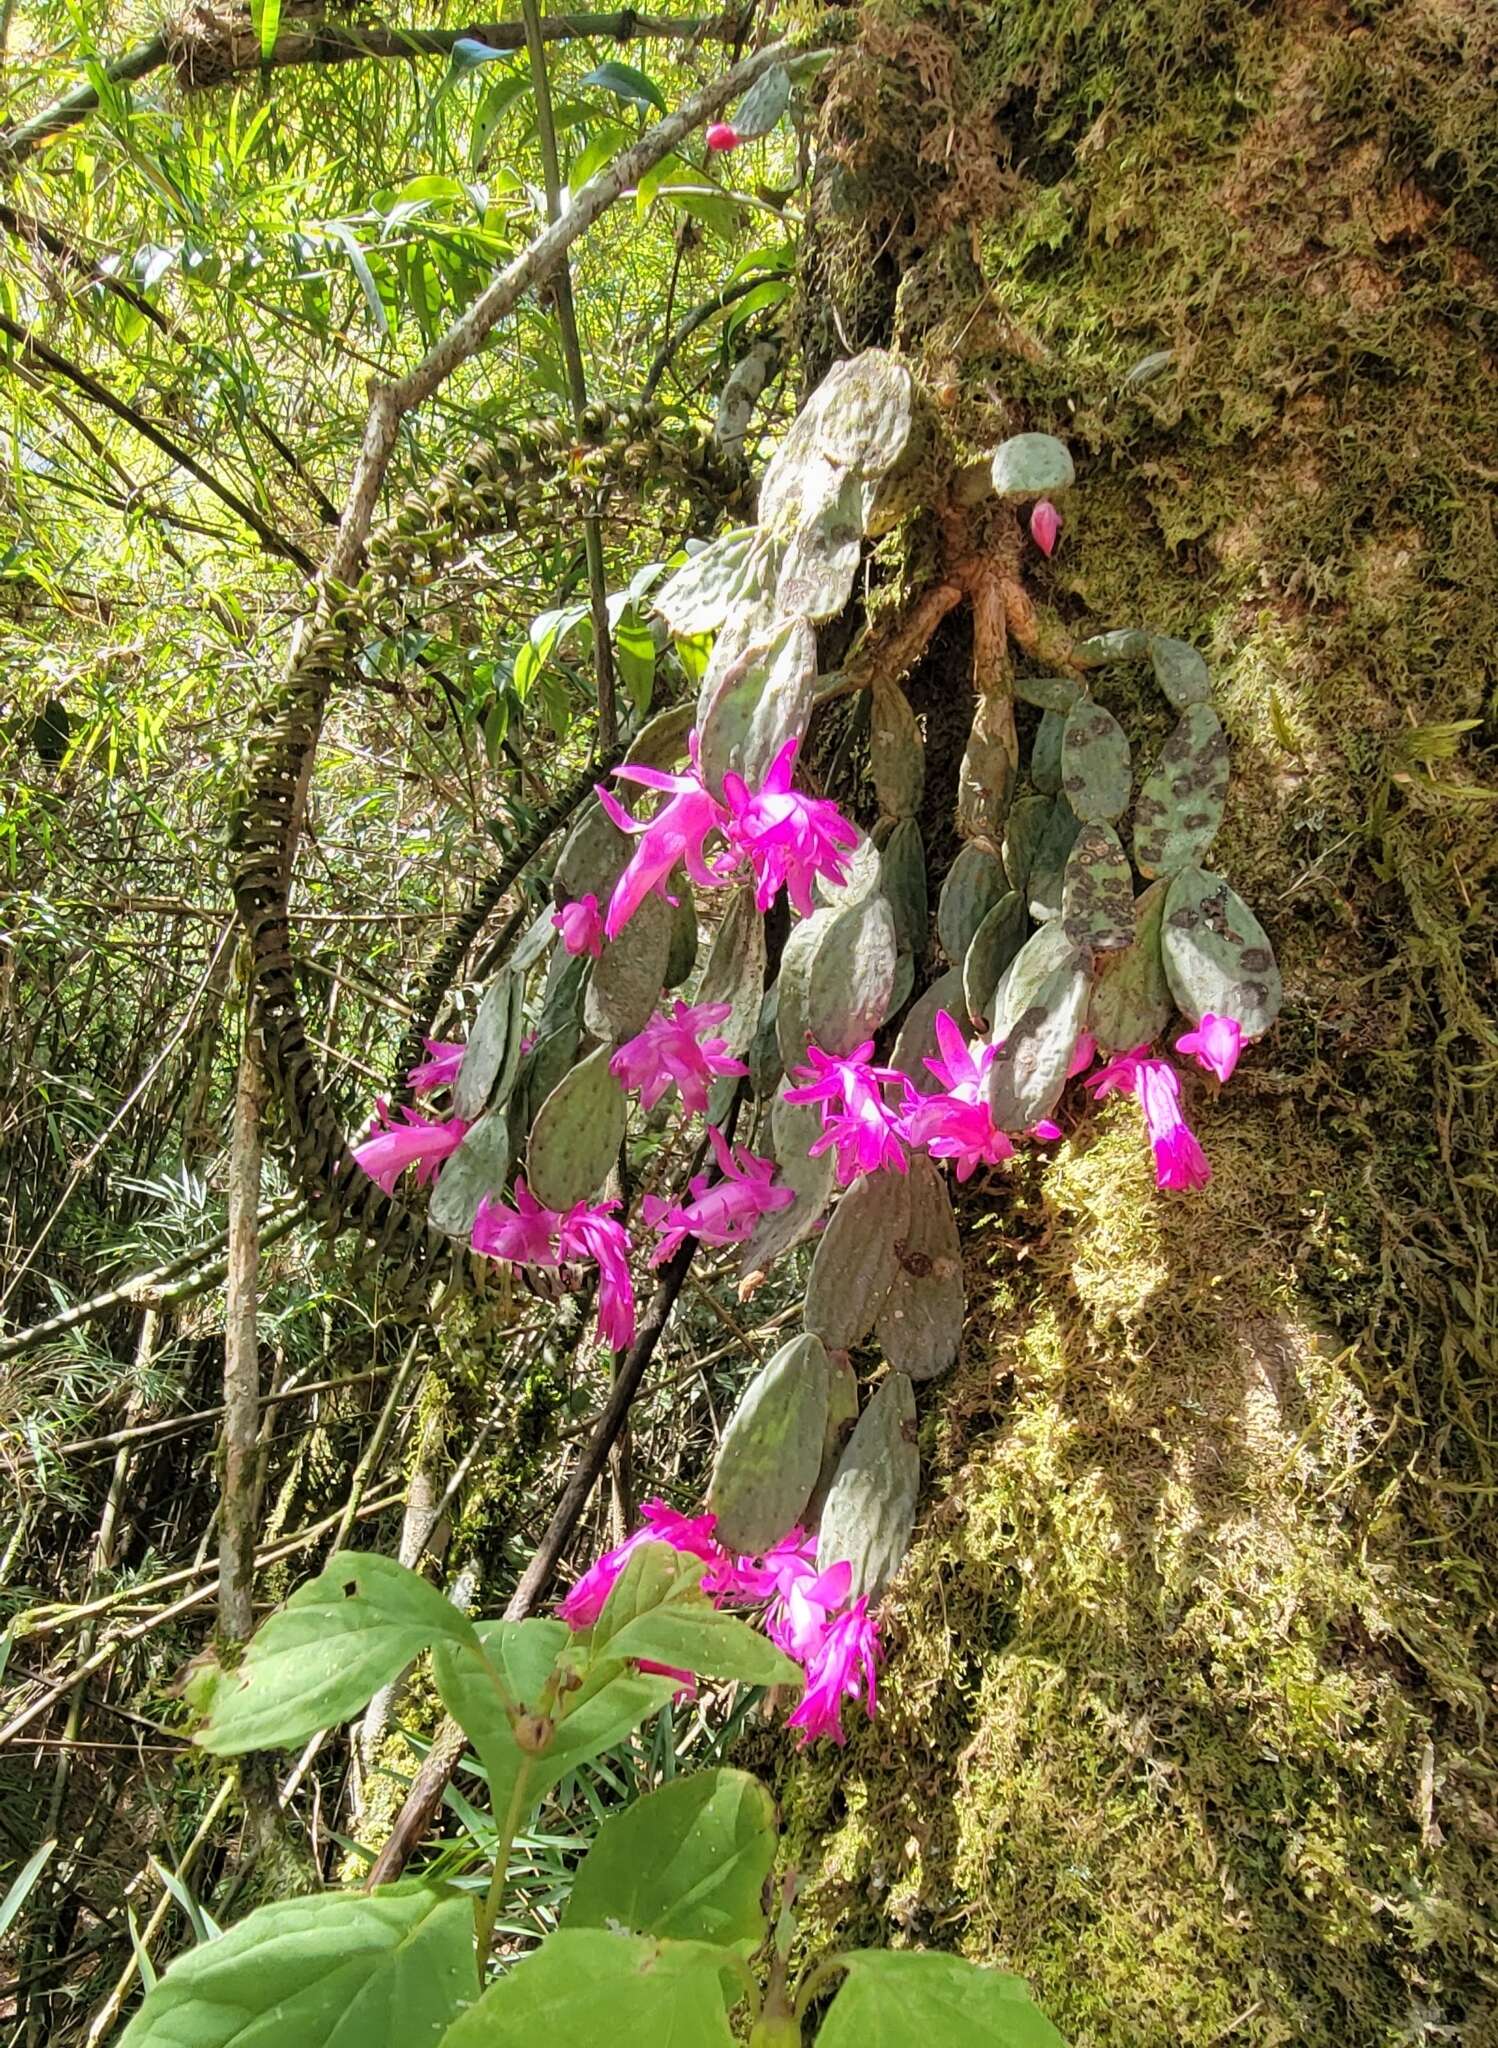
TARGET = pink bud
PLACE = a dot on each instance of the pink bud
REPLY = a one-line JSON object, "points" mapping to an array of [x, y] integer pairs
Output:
{"points": [[723, 135], [1045, 526]]}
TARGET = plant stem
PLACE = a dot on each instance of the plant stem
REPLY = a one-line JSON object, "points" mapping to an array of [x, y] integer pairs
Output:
{"points": [[488, 1912]]}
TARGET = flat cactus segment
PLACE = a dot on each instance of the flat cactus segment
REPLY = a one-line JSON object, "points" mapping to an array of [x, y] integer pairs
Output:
{"points": [[864, 877], [903, 867], [553, 1055], [1104, 650], [762, 701], [1024, 830], [771, 1452], [858, 419], [1048, 864], [793, 983], [594, 856], [1032, 466], [1217, 955], [763, 104], [1180, 671], [735, 971], [975, 883], [1095, 774], [493, 1055], [851, 977], [919, 1326], [917, 1040], [1049, 693], [699, 597], [1131, 1000], [995, 945], [630, 973], [821, 557], [989, 768], [662, 741], [576, 1137], [794, 1129], [682, 957], [1021, 982], [897, 753], [1045, 753], [1026, 1079], [842, 1414], [1097, 893], [1179, 811], [479, 1167], [857, 1259], [869, 1515]]}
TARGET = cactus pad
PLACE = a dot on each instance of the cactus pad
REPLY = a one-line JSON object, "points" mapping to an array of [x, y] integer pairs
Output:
{"points": [[576, 1137], [869, 1514], [1217, 955], [772, 1447], [1097, 894], [1095, 764], [1131, 1000], [857, 1259], [1180, 807], [919, 1326], [975, 883], [478, 1168]]}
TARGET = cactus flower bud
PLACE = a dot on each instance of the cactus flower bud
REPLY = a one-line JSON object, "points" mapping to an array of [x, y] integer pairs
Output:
{"points": [[1045, 526], [722, 135]]}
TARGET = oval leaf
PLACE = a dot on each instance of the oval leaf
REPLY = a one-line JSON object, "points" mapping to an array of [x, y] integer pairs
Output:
{"points": [[492, 1058], [897, 753], [1180, 671], [851, 977], [1032, 466], [870, 1510], [1097, 893], [479, 1167], [630, 972], [975, 883], [1217, 955], [857, 1258], [1095, 764], [763, 700], [735, 971], [771, 1452], [996, 944], [1131, 999], [1180, 807], [920, 1323], [687, 1862]]}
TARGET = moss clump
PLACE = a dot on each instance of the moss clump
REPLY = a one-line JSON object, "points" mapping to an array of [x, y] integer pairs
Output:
{"points": [[1184, 1715]]}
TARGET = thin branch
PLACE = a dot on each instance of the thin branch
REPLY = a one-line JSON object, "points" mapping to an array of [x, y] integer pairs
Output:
{"points": [[79, 104], [698, 317], [72, 373]]}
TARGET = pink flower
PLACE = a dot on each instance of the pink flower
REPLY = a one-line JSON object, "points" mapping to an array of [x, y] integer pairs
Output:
{"points": [[440, 1068], [843, 1666], [798, 1616], [581, 926], [958, 1124], [866, 1131], [720, 1212], [419, 1141], [1083, 1054], [525, 1235], [723, 136], [676, 833], [789, 837], [1179, 1160], [692, 1534], [748, 1580], [589, 1232], [1215, 1044], [669, 1051], [1045, 526]]}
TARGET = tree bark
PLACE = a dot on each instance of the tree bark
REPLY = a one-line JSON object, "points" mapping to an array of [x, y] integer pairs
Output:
{"points": [[1184, 1702], [239, 1507]]}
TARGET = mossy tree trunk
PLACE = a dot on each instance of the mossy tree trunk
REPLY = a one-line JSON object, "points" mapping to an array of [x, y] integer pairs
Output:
{"points": [[1187, 1713]]}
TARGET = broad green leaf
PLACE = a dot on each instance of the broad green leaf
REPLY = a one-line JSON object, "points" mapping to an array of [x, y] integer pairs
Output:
{"points": [[628, 82], [388, 1969], [688, 1863], [523, 1655], [327, 1652], [904, 1998], [349, 242], [693, 1636], [653, 1573], [594, 1988], [634, 647]]}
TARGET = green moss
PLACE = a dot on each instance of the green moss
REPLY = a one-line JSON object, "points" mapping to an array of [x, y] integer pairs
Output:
{"points": [[1184, 1712]]}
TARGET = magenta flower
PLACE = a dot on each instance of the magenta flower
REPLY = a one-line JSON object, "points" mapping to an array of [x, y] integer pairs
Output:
{"points": [[525, 1235], [748, 1580], [789, 837], [720, 1212], [671, 1052], [676, 833], [692, 1534], [440, 1068], [867, 1133], [581, 926], [1084, 1052], [843, 1666], [419, 1141], [958, 1123], [804, 1602], [722, 135], [1179, 1160], [1045, 526], [589, 1231], [1215, 1044]]}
